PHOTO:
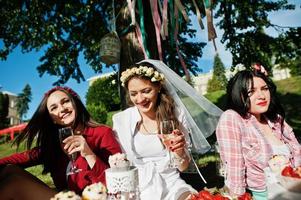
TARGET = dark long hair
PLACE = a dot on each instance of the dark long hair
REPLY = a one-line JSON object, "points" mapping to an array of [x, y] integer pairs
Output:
{"points": [[165, 107], [238, 99], [42, 127]]}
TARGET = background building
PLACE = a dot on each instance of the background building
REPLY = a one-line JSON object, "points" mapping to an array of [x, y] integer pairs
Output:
{"points": [[201, 81], [13, 115]]}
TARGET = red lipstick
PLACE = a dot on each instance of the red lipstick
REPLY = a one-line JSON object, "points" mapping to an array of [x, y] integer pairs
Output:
{"points": [[263, 103]]}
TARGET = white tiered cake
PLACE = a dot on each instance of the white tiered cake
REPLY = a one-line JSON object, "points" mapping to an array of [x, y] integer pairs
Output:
{"points": [[121, 178]]}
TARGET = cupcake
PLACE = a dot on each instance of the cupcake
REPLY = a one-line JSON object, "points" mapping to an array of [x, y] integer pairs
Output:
{"points": [[66, 195], [119, 161], [96, 191]]}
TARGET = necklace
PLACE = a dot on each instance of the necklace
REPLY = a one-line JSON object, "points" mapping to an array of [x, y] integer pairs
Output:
{"points": [[150, 132]]}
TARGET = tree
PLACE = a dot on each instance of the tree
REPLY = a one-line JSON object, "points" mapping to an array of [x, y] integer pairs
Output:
{"points": [[244, 24], [70, 28], [219, 80], [292, 59], [23, 99], [4, 104], [104, 91]]}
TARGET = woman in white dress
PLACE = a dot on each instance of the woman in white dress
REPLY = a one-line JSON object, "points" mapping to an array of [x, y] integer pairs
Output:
{"points": [[138, 131]]}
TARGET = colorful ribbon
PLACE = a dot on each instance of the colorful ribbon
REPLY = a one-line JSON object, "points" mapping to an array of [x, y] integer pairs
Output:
{"points": [[177, 45], [157, 24], [198, 14]]}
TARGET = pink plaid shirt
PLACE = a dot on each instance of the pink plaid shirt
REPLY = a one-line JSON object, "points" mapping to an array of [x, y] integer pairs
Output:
{"points": [[245, 152]]}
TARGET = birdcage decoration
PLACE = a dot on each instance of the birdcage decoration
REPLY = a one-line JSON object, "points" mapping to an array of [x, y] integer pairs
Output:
{"points": [[110, 44], [110, 48]]}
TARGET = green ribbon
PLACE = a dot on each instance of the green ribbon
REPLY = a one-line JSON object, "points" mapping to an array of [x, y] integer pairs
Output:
{"points": [[171, 32], [142, 27], [207, 4]]}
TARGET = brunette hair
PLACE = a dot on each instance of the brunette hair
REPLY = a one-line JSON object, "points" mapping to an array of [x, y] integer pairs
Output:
{"points": [[42, 128], [238, 99], [165, 106]]}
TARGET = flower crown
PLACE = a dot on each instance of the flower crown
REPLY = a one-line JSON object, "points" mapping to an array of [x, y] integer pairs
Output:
{"points": [[149, 72], [69, 90], [258, 67]]}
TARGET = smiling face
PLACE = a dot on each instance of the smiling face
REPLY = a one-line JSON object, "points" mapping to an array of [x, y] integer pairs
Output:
{"points": [[144, 94], [60, 108], [260, 97]]}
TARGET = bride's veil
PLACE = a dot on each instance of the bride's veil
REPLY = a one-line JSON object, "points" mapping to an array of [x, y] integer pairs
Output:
{"points": [[201, 115]]}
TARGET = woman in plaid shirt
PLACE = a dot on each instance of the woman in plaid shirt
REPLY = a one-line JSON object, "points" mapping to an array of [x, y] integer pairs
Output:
{"points": [[253, 130]]}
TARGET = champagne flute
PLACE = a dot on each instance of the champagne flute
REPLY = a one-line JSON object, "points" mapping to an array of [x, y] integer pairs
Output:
{"points": [[166, 128], [63, 134]]}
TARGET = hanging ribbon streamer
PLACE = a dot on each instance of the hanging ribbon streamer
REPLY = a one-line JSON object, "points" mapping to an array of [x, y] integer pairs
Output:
{"points": [[157, 24], [139, 37], [210, 26], [113, 20], [198, 14], [131, 8], [177, 45], [165, 19], [172, 24], [142, 29], [182, 9]]}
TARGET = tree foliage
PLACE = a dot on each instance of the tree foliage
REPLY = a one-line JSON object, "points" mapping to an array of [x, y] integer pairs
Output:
{"points": [[290, 59], [67, 29], [219, 80], [23, 99], [245, 23], [104, 91], [4, 104]]}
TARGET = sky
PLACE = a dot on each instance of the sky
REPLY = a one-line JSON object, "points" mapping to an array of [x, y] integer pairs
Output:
{"points": [[20, 69]]}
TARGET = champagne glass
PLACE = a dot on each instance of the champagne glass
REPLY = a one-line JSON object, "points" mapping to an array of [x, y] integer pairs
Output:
{"points": [[63, 134], [166, 128]]}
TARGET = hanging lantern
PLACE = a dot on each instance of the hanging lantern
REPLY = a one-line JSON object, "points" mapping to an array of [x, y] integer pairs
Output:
{"points": [[110, 48]]}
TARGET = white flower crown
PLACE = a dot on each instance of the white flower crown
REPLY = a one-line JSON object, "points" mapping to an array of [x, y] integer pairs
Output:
{"points": [[154, 75]]}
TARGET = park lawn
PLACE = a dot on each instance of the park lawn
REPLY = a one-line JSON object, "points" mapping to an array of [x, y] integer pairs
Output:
{"points": [[7, 149]]}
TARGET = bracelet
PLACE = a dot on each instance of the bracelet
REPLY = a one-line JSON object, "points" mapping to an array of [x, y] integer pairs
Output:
{"points": [[182, 159]]}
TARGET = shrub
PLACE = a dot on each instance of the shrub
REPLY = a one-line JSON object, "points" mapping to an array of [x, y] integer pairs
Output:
{"points": [[98, 112]]}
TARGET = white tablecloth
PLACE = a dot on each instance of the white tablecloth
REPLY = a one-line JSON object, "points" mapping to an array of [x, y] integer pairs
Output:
{"points": [[277, 192]]}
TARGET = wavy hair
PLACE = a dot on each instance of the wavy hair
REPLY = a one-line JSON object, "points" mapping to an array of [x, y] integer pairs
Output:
{"points": [[42, 128], [165, 106], [238, 99]]}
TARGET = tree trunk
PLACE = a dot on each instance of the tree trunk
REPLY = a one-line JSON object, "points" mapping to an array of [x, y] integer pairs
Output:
{"points": [[131, 51]]}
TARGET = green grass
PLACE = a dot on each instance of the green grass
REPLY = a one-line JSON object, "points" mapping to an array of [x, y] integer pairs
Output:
{"points": [[7, 149]]}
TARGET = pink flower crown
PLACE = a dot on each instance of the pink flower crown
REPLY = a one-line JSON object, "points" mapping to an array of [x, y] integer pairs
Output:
{"points": [[67, 89], [259, 68]]}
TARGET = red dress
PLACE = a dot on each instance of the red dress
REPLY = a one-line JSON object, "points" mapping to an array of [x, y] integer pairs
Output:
{"points": [[102, 142]]}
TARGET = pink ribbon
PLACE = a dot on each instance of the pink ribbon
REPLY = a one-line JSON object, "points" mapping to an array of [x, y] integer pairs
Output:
{"points": [[139, 37], [165, 20], [157, 23]]}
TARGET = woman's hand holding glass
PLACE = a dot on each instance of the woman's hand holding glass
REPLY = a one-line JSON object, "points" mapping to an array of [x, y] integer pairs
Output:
{"points": [[72, 145], [174, 141], [77, 144]]}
